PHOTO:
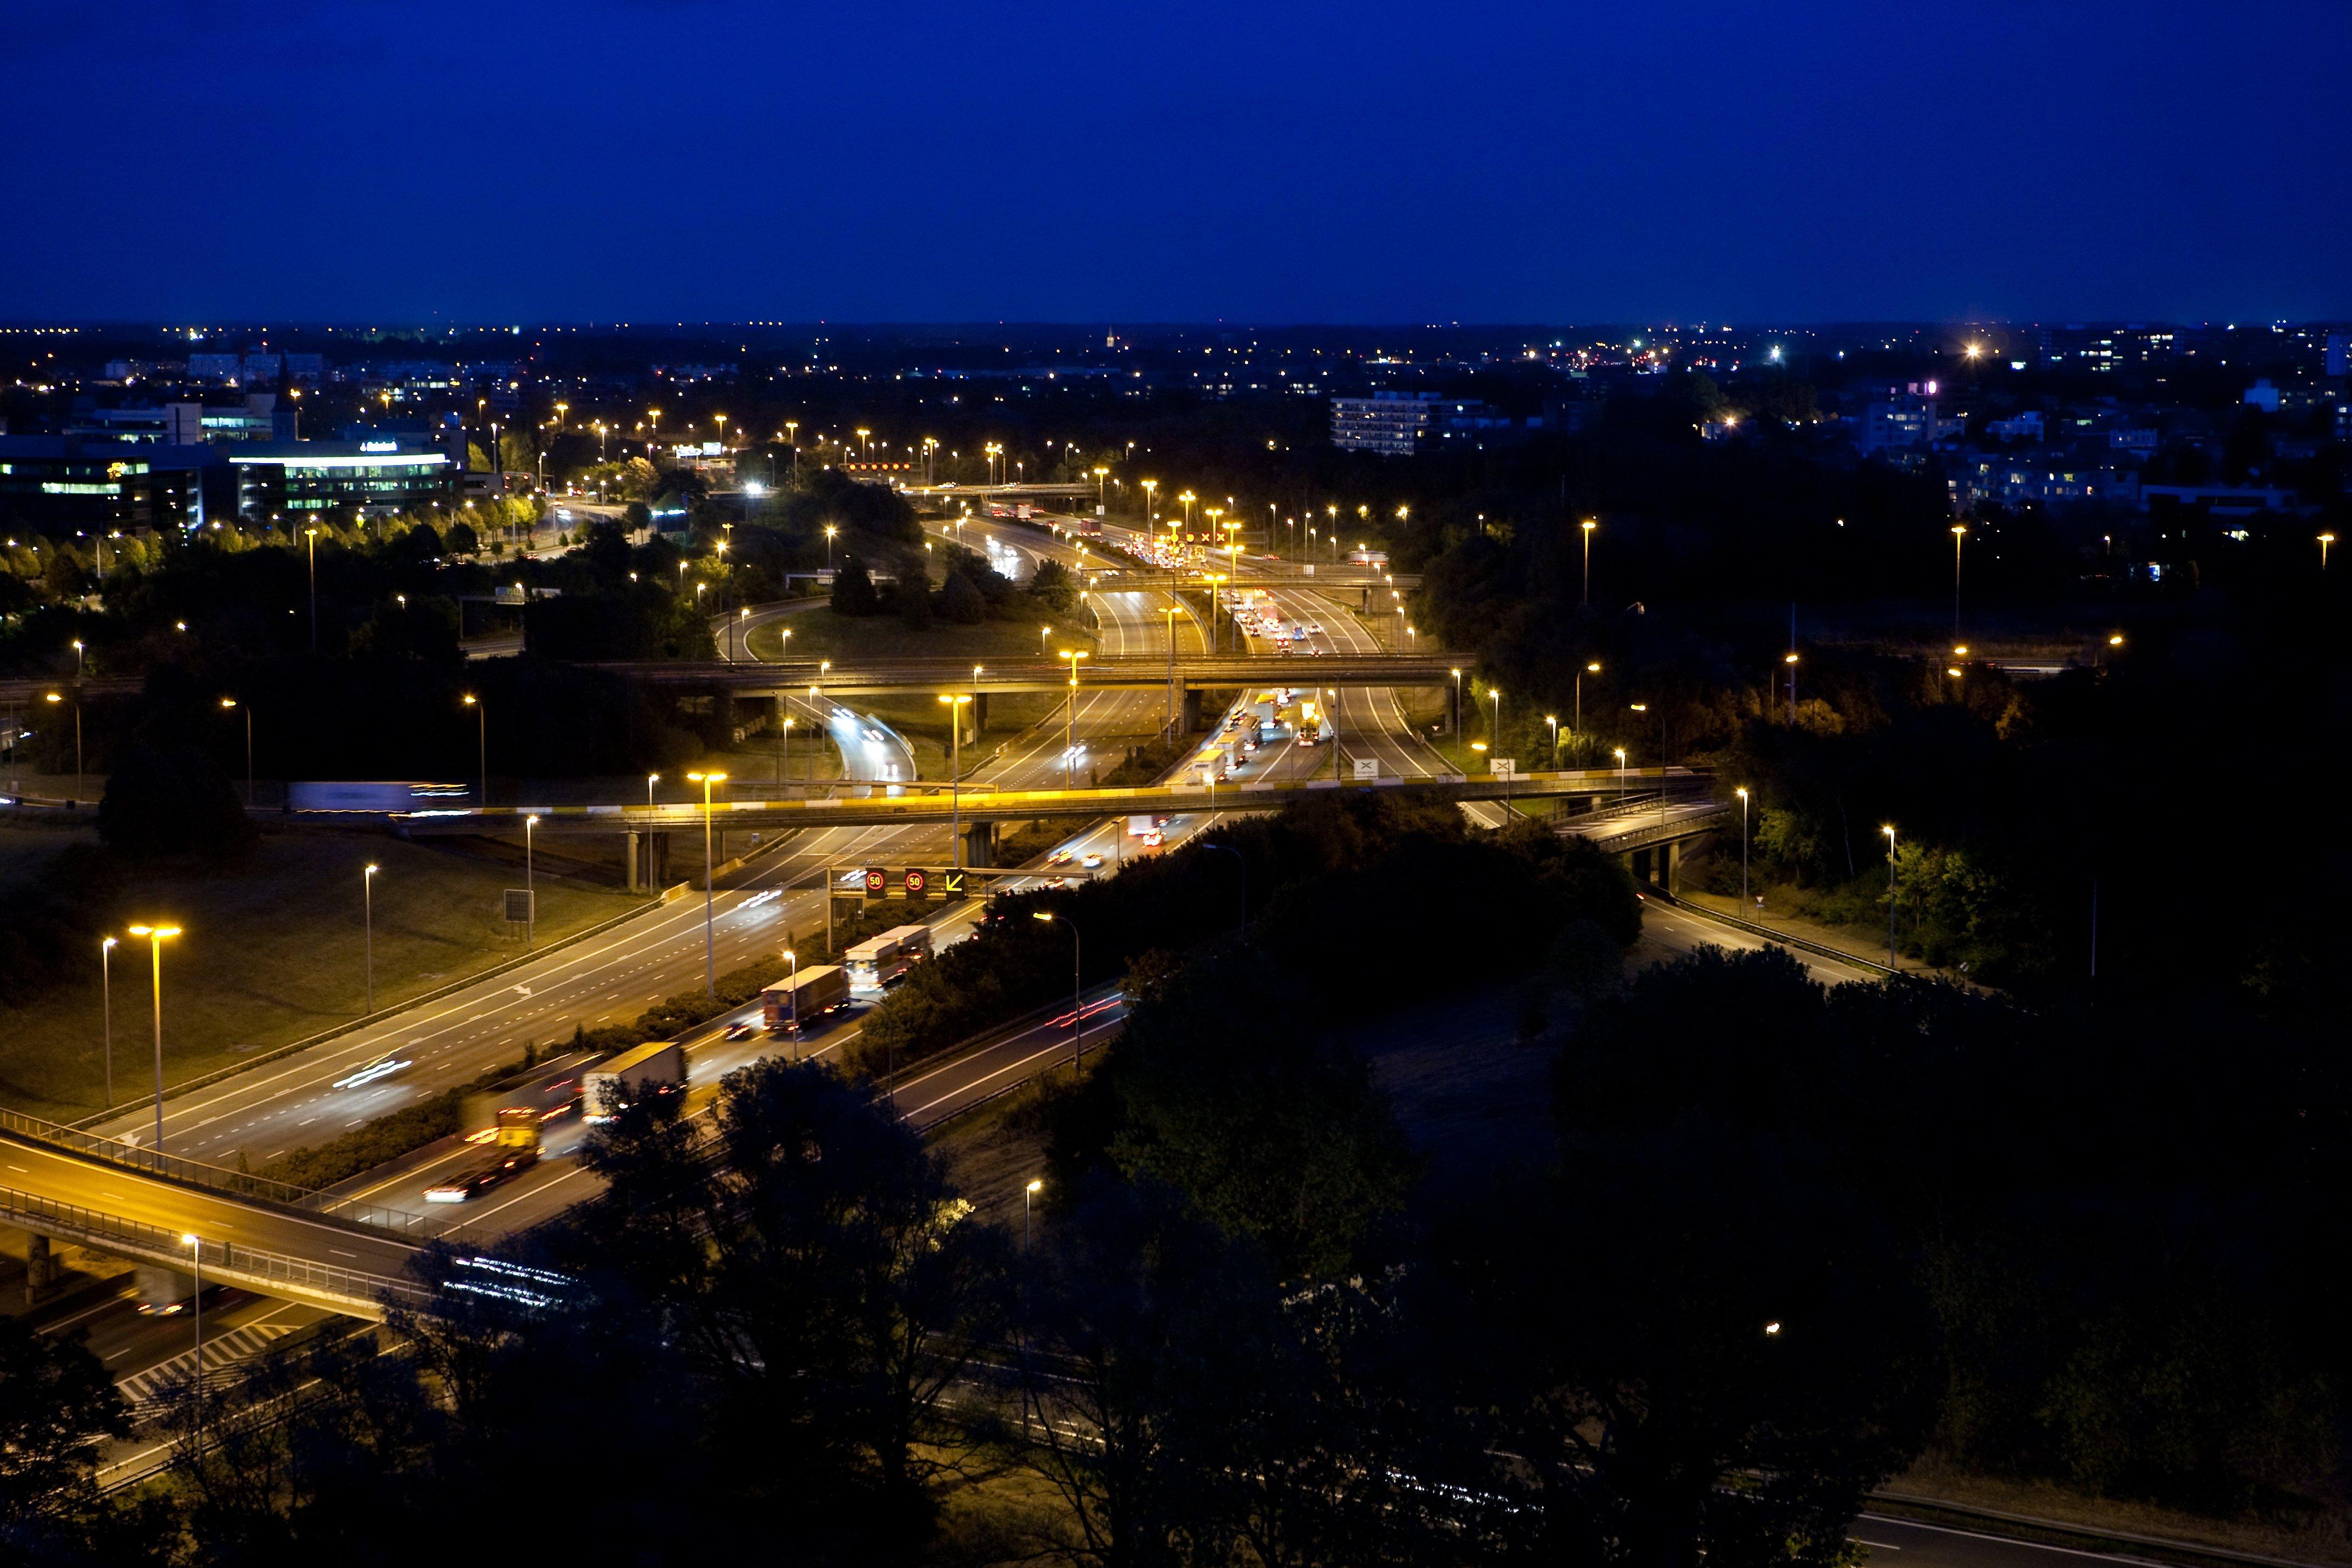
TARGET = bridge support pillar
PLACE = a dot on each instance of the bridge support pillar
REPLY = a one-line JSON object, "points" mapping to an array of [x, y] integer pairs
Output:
{"points": [[980, 845], [1192, 710], [1642, 865], [648, 859], [632, 843], [978, 718], [1666, 865], [41, 1268]]}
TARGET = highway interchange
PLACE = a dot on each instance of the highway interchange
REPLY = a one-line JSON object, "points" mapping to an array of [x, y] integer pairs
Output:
{"points": [[306, 1098]]}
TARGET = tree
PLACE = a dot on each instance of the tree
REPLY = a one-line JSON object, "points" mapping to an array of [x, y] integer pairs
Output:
{"points": [[56, 1402], [461, 539], [172, 800], [1282, 1138], [1146, 1324], [961, 602], [853, 590], [1050, 584], [820, 1274]]}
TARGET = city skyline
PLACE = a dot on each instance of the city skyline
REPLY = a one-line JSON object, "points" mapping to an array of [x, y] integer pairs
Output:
{"points": [[714, 163]]}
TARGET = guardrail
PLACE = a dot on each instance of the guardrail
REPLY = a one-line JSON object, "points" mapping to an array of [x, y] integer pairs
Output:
{"points": [[396, 1224], [349, 1288]]}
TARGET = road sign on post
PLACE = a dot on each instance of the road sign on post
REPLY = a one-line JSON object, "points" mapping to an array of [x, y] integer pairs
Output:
{"points": [[1504, 767], [948, 885], [878, 883], [1366, 767], [519, 910], [919, 882]]}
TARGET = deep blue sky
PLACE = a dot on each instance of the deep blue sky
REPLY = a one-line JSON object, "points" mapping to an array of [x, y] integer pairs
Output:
{"points": [[903, 160]]}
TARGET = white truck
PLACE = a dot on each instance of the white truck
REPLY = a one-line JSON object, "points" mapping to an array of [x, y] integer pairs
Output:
{"points": [[876, 962], [613, 1084], [792, 1007]]}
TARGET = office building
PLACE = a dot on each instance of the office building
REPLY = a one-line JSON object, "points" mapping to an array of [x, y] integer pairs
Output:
{"points": [[292, 477], [59, 485], [1391, 423]]}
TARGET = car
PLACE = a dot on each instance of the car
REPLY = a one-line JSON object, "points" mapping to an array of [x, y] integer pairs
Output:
{"points": [[740, 1031], [1317, 651], [1092, 862], [1059, 857], [1239, 763], [470, 1184], [1315, 628]]}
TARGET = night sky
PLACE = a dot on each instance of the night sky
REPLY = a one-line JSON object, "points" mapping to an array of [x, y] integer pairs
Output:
{"points": [[359, 160]]}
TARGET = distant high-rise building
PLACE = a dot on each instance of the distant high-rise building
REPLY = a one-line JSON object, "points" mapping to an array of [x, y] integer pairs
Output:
{"points": [[2339, 353], [1391, 423]]}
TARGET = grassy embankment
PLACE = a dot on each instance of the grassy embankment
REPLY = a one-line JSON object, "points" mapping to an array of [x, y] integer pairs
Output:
{"points": [[273, 950]]}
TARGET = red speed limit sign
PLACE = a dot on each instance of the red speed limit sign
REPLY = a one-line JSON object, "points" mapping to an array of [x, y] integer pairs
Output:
{"points": [[878, 881], [918, 882]]}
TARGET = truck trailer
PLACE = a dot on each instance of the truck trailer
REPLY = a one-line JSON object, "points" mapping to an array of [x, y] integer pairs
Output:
{"points": [[873, 964], [612, 1086], [789, 1007]]}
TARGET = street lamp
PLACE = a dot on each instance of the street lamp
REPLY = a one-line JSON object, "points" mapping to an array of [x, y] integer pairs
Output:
{"points": [[1457, 697], [367, 897], [1077, 984], [651, 780], [106, 992], [1494, 732], [1553, 719], [1027, 1195], [1742, 794], [197, 1256], [830, 533], [1959, 534], [232, 702], [57, 696], [311, 536], [1790, 659], [156, 936], [1889, 831], [1070, 731], [529, 886], [710, 940], [955, 775], [1588, 526], [482, 740], [2324, 541], [1621, 776]]}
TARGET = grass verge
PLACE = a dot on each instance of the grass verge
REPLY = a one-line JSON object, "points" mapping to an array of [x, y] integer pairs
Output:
{"points": [[272, 949]]}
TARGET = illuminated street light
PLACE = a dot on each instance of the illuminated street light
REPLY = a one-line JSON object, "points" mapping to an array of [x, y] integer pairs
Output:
{"points": [[710, 940], [157, 935]]}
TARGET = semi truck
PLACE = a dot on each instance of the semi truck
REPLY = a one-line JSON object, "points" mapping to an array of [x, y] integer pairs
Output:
{"points": [[789, 1007], [874, 963], [612, 1086]]}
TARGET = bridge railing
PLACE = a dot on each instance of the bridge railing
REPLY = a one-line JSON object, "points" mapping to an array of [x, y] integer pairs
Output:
{"points": [[164, 1246], [398, 1224]]}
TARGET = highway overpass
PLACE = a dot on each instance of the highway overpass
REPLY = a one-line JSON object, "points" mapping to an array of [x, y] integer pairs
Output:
{"points": [[1098, 672], [937, 805]]}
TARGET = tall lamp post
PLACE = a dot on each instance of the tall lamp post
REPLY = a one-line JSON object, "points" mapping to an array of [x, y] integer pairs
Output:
{"points": [[310, 536], [1889, 831], [367, 897], [106, 991], [1742, 794], [1577, 722], [1959, 534], [481, 740], [1077, 984], [1070, 730], [709, 941], [233, 703], [955, 778], [1621, 776], [197, 1256], [156, 936], [529, 887], [1588, 526]]}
